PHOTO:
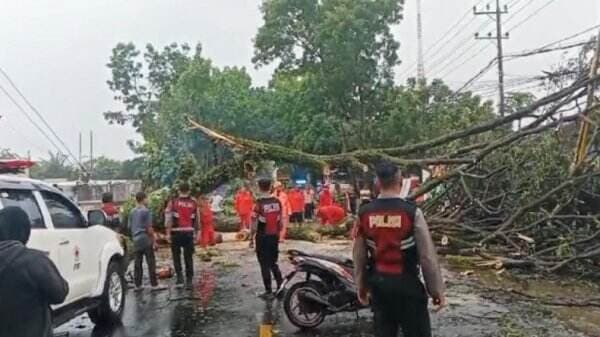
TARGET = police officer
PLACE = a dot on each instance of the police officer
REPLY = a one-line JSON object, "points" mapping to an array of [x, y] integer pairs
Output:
{"points": [[181, 216], [392, 241], [269, 224]]}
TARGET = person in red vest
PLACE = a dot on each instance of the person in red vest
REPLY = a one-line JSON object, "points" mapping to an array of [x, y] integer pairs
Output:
{"points": [[244, 204], [331, 215], [269, 224], [325, 198], [296, 197], [392, 249], [207, 228], [280, 193], [181, 215], [111, 210]]}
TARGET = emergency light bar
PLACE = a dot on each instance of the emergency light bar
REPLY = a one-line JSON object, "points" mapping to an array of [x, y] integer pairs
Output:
{"points": [[15, 165]]}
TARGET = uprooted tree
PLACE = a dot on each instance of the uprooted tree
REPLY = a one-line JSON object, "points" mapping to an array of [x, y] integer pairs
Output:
{"points": [[515, 197]]}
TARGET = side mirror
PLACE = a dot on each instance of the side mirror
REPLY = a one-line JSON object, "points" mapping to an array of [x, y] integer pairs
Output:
{"points": [[97, 217]]}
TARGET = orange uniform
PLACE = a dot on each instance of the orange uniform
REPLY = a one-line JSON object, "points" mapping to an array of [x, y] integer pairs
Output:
{"points": [[331, 215], [296, 197], [325, 198], [207, 228], [244, 205], [283, 198]]}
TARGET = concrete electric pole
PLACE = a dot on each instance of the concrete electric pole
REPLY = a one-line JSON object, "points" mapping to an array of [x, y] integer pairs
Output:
{"points": [[497, 16], [420, 59]]}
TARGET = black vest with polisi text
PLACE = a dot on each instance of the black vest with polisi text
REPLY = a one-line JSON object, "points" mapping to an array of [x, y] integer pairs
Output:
{"points": [[388, 226]]}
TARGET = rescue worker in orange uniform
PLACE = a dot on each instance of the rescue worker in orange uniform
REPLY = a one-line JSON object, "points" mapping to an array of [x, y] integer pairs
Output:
{"points": [[280, 193], [244, 204], [325, 197], [296, 197], [331, 215], [207, 228], [392, 241], [181, 216]]}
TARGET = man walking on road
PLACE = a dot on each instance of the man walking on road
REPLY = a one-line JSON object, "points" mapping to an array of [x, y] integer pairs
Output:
{"points": [[29, 281], [392, 240], [268, 227], [142, 234], [182, 219]]}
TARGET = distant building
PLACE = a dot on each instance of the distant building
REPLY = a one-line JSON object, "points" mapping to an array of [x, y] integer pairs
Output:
{"points": [[89, 195]]}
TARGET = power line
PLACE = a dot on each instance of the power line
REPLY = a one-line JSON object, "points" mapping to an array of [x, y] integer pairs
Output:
{"points": [[524, 80], [36, 111], [445, 61], [24, 137], [471, 45], [443, 38], [514, 15], [546, 50], [572, 36], [537, 11], [12, 99]]}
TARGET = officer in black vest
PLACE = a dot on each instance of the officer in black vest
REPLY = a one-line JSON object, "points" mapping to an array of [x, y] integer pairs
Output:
{"points": [[268, 211], [392, 241]]}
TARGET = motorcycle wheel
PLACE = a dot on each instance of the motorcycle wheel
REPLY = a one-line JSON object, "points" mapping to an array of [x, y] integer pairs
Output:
{"points": [[299, 313]]}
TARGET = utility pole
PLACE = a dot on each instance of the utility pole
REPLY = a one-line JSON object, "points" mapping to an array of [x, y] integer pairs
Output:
{"points": [[80, 147], [91, 154], [497, 16], [420, 59]]}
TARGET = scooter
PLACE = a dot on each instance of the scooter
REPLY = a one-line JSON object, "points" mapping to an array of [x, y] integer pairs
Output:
{"points": [[328, 289]]}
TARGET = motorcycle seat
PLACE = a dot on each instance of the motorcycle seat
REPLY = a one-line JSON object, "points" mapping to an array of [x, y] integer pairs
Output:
{"points": [[341, 261]]}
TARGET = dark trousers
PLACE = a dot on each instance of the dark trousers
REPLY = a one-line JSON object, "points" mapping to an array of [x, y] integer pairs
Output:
{"points": [[297, 217], [267, 252], [309, 211], [138, 270], [183, 241], [399, 303]]}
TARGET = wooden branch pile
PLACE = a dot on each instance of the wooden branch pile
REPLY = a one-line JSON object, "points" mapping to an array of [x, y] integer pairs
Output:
{"points": [[488, 202]]}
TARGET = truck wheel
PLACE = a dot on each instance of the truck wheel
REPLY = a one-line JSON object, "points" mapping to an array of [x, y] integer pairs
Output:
{"points": [[112, 302]]}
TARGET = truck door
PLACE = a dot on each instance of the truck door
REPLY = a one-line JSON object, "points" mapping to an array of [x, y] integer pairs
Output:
{"points": [[73, 254]]}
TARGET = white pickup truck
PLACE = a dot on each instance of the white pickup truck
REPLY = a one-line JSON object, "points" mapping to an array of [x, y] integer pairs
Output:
{"points": [[88, 255]]}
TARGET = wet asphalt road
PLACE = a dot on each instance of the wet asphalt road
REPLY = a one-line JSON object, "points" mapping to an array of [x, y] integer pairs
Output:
{"points": [[223, 302]]}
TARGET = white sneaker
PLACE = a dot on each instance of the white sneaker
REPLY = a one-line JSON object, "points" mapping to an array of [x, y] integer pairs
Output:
{"points": [[138, 289]]}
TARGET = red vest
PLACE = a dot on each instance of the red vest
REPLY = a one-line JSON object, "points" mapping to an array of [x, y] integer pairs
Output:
{"points": [[112, 213], [269, 216], [388, 226], [184, 211]]}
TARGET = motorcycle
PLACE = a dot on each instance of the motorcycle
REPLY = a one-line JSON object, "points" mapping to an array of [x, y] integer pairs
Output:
{"points": [[328, 289]]}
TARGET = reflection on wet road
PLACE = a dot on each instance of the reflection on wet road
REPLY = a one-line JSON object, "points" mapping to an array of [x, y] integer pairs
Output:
{"points": [[223, 302]]}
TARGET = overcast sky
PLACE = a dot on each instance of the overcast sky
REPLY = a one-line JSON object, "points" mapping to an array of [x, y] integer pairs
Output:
{"points": [[56, 52]]}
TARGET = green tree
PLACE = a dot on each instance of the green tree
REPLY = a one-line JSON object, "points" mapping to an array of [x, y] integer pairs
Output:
{"points": [[106, 169], [7, 154], [344, 49], [139, 81], [55, 167], [132, 168]]}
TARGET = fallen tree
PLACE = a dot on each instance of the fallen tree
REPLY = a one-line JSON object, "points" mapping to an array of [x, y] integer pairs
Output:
{"points": [[513, 196]]}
